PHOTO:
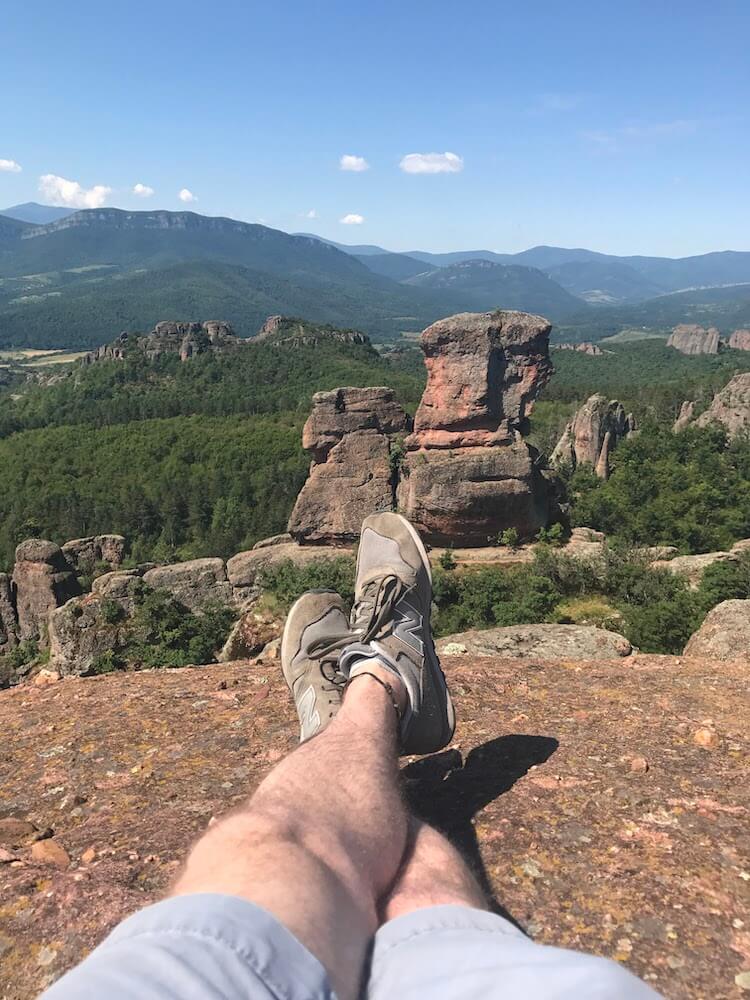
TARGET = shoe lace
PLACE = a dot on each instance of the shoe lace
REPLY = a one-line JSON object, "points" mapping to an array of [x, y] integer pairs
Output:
{"points": [[371, 616]]}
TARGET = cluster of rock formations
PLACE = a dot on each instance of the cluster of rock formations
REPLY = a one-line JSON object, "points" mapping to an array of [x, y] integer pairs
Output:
{"points": [[294, 332], [585, 347], [689, 338], [730, 407], [465, 472], [45, 577], [184, 339], [590, 437]]}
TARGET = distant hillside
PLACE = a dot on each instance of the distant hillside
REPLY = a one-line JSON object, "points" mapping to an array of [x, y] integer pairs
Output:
{"points": [[32, 211], [397, 266], [482, 284], [101, 303], [603, 281], [727, 308]]}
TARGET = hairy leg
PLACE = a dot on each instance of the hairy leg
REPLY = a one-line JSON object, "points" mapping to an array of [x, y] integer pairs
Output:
{"points": [[323, 837], [432, 874]]}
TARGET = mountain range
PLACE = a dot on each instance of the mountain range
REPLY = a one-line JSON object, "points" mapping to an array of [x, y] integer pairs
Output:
{"points": [[81, 278]]}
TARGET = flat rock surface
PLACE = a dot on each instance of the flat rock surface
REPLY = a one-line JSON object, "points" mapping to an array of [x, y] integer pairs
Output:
{"points": [[607, 803], [553, 642]]}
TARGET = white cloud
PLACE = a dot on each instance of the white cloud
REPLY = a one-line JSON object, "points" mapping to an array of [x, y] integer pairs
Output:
{"points": [[10, 167], [352, 219], [354, 163], [312, 214], [432, 163], [143, 190], [60, 191], [186, 196]]}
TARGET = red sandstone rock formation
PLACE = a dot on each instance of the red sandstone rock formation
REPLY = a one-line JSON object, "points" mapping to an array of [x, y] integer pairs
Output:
{"points": [[468, 473], [42, 580], [688, 338]]}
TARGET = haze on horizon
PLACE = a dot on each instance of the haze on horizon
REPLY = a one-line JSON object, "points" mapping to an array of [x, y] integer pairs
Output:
{"points": [[406, 126]]}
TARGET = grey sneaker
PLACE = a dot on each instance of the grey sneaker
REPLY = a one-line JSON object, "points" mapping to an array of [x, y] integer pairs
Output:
{"points": [[391, 616], [309, 663]]}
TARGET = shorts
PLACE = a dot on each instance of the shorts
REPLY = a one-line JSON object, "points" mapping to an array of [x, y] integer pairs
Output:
{"points": [[216, 947]]}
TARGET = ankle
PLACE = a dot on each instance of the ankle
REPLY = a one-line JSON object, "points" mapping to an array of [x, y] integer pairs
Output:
{"points": [[372, 673]]}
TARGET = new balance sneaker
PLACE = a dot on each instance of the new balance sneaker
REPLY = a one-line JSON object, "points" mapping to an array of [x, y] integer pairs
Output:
{"points": [[391, 619], [310, 663]]}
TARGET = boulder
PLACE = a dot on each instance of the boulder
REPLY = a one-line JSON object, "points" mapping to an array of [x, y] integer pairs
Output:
{"points": [[693, 567], [730, 407], [724, 634], [8, 620], [42, 581], [740, 340], [595, 430], [251, 633], [195, 583], [689, 338], [283, 539], [85, 555], [585, 347], [351, 435], [80, 632], [543, 642]]}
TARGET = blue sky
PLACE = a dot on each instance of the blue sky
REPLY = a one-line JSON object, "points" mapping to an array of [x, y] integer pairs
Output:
{"points": [[619, 127]]}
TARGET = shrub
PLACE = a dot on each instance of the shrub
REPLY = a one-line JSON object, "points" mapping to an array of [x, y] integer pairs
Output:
{"points": [[553, 535], [111, 611], [447, 560], [287, 581], [164, 633], [105, 663], [725, 581]]}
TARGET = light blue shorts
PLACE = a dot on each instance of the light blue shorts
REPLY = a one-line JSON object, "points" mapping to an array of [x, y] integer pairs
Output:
{"points": [[214, 947]]}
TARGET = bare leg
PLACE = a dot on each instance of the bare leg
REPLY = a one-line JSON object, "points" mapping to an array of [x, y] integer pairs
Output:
{"points": [[323, 837], [433, 874]]}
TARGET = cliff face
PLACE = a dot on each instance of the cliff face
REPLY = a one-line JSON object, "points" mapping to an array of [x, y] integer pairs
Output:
{"points": [[688, 338], [730, 407]]}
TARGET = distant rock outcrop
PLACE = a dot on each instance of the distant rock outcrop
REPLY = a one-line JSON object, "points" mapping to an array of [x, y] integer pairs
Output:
{"points": [[730, 407], [724, 634], [468, 474], [42, 581], [684, 417], [595, 430], [351, 434], [740, 340], [689, 338], [289, 330], [586, 347], [184, 339]]}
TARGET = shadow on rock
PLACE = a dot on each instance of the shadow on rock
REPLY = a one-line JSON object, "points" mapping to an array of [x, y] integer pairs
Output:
{"points": [[447, 792]]}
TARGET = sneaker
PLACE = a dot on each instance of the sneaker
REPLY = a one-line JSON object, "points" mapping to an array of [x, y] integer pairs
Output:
{"points": [[391, 619], [309, 663]]}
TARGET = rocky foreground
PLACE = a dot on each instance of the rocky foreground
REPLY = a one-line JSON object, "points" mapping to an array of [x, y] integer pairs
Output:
{"points": [[605, 803]]}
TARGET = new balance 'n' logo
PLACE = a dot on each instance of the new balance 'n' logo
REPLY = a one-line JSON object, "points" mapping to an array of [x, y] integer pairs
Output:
{"points": [[308, 713], [408, 627]]}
